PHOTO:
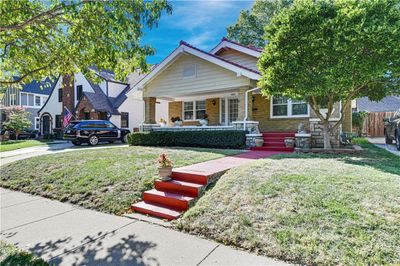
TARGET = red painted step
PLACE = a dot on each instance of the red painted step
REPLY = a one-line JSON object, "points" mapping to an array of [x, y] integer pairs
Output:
{"points": [[167, 199], [156, 210], [274, 144], [177, 186], [189, 177], [272, 148]]}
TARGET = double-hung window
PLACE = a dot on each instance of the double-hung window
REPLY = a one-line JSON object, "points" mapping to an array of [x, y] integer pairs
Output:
{"points": [[37, 101], [124, 120], [194, 110], [285, 107]]}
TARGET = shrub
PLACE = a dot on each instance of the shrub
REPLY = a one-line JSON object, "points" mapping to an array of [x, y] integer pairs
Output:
{"points": [[233, 139], [358, 119]]}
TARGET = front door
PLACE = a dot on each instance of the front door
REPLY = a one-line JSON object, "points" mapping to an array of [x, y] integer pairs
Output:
{"points": [[46, 124], [229, 110]]}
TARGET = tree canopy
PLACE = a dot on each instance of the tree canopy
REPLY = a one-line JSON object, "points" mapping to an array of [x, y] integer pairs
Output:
{"points": [[330, 51], [249, 28], [18, 120], [45, 38]]}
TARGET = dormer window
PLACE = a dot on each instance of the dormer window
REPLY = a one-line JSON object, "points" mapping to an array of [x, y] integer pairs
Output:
{"points": [[189, 71]]}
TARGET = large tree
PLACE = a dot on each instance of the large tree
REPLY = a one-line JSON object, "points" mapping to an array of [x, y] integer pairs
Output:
{"points": [[249, 27], [40, 38], [18, 121], [331, 51]]}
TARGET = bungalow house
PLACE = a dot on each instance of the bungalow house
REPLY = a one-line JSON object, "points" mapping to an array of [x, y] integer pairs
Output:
{"points": [[222, 83], [32, 96], [86, 100]]}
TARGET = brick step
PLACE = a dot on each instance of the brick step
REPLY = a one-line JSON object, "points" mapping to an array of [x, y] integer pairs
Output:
{"points": [[180, 187], [189, 177], [156, 210], [272, 148], [167, 199]]}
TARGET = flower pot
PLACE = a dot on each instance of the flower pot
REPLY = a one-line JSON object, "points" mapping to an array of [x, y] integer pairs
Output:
{"points": [[163, 124], [203, 122], [289, 142], [165, 173], [259, 142]]}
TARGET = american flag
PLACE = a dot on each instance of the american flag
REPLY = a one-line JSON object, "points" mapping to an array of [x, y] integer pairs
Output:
{"points": [[67, 117]]}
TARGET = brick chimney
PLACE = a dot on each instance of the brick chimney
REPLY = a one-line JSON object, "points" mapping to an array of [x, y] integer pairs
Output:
{"points": [[68, 94]]}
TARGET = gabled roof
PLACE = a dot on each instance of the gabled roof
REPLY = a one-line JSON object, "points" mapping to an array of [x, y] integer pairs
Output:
{"points": [[51, 92], [120, 99], [40, 87], [387, 104], [184, 47], [228, 44], [99, 100]]}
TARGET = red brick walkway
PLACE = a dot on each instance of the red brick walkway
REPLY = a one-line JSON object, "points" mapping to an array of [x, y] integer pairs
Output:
{"points": [[171, 198]]}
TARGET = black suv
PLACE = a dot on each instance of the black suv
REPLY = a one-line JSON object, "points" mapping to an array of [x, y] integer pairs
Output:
{"points": [[392, 129], [94, 131]]}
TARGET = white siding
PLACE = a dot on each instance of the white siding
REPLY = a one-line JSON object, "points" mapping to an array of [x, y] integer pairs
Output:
{"points": [[114, 89], [209, 78], [53, 107], [240, 58], [79, 79]]}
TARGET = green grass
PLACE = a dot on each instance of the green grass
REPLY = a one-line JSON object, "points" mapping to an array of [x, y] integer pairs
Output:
{"points": [[307, 209], [108, 180], [12, 145], [11, 255]]}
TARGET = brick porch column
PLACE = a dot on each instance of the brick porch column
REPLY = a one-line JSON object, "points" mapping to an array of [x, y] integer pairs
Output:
{"points": [[242, 105], [149, 110]]}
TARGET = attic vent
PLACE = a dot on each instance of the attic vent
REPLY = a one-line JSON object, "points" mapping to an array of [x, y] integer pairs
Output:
{"points": [[189, 71]]}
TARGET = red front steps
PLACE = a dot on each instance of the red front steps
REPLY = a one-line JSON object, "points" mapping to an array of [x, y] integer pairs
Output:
{"points": [[275, 141], [171, 198]]}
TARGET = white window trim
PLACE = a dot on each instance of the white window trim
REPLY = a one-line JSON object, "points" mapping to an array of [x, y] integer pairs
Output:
{"points": [[226, 98], [195, 71], [42, 100], [289, 107], [37, 122], [194, 110]]}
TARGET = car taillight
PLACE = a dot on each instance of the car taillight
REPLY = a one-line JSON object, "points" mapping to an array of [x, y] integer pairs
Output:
{"points": [[78, 133]]}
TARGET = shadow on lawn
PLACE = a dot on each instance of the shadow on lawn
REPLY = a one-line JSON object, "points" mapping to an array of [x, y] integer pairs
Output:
{"points": [[371, 156]]}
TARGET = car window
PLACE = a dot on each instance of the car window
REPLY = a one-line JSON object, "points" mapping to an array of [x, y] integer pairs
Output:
{"points": [[109, 124], [72, 125]]}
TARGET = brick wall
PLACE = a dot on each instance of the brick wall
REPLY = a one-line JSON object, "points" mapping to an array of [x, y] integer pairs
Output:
{"points": [[68, 95], [212, 109], [175, 109], [261, 113]]}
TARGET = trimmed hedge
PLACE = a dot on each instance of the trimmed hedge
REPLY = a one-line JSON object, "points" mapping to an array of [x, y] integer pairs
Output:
{"points": [[233, 139]]}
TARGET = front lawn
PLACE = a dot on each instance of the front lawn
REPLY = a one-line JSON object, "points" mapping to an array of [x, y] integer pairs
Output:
{"points": [[107, 180], [19, 144], [11, 255], [307, 209]]}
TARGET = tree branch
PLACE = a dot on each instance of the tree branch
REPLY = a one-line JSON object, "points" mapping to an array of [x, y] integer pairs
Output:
{"points": [[20, 78]]}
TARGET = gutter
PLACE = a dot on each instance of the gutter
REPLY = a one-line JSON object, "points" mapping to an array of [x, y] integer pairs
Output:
{"points": [[246, 106]]}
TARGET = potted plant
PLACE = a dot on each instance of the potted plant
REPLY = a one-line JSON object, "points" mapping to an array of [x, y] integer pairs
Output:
{"points": [[177, 121], [204, 121], [164, 167], [163, 123], [289, 142], [259, 142]]}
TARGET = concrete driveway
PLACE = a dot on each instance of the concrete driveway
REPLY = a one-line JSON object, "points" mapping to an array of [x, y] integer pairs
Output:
{"points": [[380, 142], [60, 146]]}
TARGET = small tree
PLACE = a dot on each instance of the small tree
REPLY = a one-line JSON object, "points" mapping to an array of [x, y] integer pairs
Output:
{"points": [[333, 51], [18, 121], [358, 119]]}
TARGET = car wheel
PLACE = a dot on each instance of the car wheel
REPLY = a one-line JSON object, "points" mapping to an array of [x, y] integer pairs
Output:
{"points": [[388, 140], [93, 140], [76, 143], [125, 138]]}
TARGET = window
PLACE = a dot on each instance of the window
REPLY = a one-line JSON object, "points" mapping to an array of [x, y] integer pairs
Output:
{"points": [[13, 99], [37, 123], [30, 99], [79, 92], [285, 107], [58, 121], [223, 111], [189, 71], [60, 96], [24, 99], [124, 120], [109, 124], [37, 101], [233, 110], [194, 110]]}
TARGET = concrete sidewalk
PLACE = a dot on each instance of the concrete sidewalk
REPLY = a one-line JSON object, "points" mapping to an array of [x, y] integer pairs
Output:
{"points": [[380, 142], [67, 235]]}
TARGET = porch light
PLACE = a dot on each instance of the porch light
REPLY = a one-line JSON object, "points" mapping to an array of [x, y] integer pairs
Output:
{"points": [[214, 102]]}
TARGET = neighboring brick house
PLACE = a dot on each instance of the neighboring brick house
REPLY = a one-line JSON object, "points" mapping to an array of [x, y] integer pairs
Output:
{"points": [[87, 100], [32, 96], [222, 83]]}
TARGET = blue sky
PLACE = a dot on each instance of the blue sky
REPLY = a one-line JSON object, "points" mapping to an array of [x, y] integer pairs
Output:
{"points": [[201, 23]]}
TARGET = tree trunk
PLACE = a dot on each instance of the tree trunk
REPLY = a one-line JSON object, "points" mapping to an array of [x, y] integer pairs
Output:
{"points": [[325, 132]]}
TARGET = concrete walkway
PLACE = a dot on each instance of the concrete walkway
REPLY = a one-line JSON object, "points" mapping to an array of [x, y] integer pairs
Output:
{"points": [[64, 234], [20, 154], [380, 142]]}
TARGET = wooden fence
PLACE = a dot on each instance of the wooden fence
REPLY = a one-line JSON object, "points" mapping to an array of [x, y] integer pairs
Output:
{"points": [[374, 125]]}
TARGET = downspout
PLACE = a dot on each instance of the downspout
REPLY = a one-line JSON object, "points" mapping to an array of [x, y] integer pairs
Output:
{"points": [[246, 106]]}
